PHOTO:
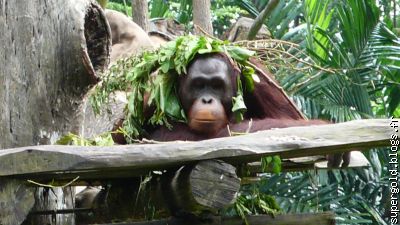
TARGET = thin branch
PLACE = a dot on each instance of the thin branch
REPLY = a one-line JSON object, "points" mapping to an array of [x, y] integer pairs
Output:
{"points": [[52, 186], [199, 28]]}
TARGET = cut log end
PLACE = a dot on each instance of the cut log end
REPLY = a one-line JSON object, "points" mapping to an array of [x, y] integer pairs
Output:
{"points": [[214, 184], [98, 41], [205, 187]]}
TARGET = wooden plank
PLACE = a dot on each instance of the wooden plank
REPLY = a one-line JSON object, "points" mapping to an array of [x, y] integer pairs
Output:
{"points": [[357, 160], [52, 160], [323, 218]]}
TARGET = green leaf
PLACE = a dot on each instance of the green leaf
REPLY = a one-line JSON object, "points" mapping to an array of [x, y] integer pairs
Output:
{"points": [[277, 164], [239, 54], [239, 108], [249, 76]]}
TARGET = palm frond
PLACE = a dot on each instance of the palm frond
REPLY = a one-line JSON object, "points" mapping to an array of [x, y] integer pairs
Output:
{"points": [[158, 8]]}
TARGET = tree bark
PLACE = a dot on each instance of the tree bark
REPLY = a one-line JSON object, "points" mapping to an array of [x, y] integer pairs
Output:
{"points": [[202, 17], [259, 21], [140, 14], [49, 58], [51, 51]]}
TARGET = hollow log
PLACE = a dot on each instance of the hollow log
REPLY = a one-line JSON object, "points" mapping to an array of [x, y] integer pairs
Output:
{"points": [[51, 53]]}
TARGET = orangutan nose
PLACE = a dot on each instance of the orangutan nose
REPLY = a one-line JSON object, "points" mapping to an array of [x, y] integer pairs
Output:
{"points": [[207, 100]]}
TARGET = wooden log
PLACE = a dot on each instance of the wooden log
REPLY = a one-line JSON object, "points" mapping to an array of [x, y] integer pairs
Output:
{"points": [[48, 162], [206, 186], [324, 218]]}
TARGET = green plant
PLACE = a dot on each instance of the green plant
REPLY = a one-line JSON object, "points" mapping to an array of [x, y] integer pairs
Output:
{"points": [[363, 54], [224, 14], [125, 9], [251, 201], [359, 56], [73, 139]]}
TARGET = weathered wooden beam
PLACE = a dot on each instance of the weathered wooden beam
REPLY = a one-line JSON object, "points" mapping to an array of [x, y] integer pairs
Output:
{"points": [[48, 161], [357, 160], [324, 218]]}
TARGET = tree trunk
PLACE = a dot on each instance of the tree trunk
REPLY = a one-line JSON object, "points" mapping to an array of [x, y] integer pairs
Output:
{"points": [[202, 17], [50, 53], [140, 14], [259, 21]]}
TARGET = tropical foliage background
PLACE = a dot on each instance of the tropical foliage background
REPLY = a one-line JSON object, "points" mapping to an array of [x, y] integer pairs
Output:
{"points": [[357, 44]]}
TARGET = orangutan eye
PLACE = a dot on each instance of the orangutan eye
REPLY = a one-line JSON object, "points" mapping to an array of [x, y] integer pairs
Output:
{"points": [[198, 84], [217, 84]]}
